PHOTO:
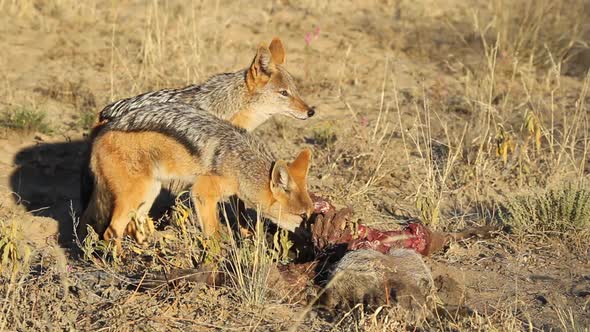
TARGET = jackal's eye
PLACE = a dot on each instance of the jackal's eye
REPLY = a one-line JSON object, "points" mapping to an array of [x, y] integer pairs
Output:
{"points": [[284, 93]]}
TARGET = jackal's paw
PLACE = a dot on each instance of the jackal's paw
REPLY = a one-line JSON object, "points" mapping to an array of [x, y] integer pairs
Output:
{"points": [[110, 234], [140, 229]]}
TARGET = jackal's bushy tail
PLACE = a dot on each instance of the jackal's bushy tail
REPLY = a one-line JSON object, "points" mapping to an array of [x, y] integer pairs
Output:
{"points": [[98, 210]]}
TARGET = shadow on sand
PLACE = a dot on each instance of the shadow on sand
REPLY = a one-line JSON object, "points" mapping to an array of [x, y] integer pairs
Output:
{"points": [[46, 181]]}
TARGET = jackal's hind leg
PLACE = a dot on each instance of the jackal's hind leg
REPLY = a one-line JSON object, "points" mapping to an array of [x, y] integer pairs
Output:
{"points": [[136, 197]]}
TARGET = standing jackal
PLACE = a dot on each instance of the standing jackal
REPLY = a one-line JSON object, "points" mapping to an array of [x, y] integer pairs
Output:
{"points": [[246, 98], [135, 152]]}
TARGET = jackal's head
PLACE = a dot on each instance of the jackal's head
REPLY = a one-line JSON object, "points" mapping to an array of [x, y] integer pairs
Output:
{"points": [[290, 203], [272, 88]]}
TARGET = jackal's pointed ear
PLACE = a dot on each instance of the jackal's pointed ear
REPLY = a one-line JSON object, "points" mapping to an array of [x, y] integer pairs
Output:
{"points": [[260, 69], [300, 166], [277, 51], [279, 178]]}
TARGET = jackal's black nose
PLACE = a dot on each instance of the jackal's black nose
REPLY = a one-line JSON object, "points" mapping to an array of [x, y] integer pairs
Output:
{"points": [[311, 111]]}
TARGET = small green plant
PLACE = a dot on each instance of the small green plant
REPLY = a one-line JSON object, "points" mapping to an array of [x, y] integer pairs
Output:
{"points": [[95, 248], [281, 246], [533, 127], [429, 210], [14, 252], [189, 235], [181, 214], [560, 211], [323, 136], [24, 119], [504, 144], [87, 119]]}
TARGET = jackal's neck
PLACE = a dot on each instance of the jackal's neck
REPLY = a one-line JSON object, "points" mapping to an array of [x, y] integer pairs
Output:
{"points": [[223, 94], [253, 176], [248, 119], [256, 193]]}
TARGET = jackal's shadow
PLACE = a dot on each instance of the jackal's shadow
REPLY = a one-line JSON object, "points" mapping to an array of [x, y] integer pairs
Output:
{"points": [[46, 181]]}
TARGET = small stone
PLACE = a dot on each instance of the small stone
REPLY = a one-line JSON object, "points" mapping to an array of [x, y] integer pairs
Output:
{"points": [[541, 299]]}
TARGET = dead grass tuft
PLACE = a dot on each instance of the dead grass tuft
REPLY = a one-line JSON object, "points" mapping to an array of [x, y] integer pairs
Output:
{"points": [[540, 32]]}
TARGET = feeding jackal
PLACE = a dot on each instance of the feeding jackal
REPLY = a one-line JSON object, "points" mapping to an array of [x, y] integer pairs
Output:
{"points": [[246, 98], [135, 152]]}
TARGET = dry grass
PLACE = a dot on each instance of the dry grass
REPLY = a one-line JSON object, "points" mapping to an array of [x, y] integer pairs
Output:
{"points": [[248, 264], [543, 32]]}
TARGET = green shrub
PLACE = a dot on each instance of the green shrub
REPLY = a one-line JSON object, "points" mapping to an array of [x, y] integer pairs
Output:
{"points": [[555, 211], [24, 119]]}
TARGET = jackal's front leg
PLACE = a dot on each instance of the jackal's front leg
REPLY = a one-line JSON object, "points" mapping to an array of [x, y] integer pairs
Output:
{"points": [[206, 193]]}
